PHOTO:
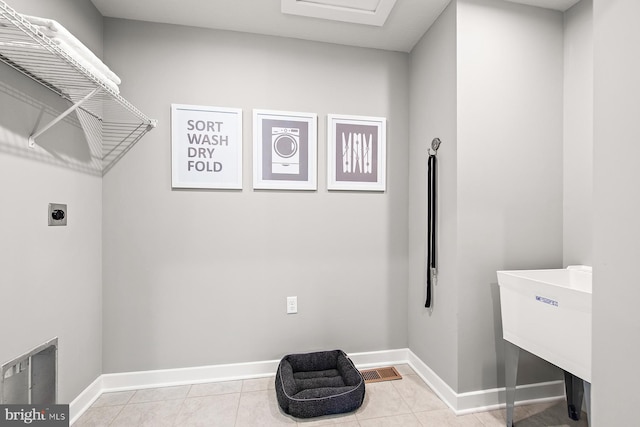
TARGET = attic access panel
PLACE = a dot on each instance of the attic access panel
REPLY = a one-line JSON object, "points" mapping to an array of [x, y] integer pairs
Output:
{"points": [[367, 12]]}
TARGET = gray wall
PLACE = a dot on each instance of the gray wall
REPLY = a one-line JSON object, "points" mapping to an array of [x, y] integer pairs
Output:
{"points": [[501, 178], [200, 277], [433, 333], [510, 71], [578, 135], [616, 318], [50, 276]]}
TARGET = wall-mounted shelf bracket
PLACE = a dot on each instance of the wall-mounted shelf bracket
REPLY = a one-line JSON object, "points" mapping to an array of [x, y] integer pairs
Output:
{"points": [[43, 129], [111, 124]]}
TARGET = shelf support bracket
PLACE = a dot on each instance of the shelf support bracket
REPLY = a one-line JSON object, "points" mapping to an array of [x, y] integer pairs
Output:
{"points": [[43, 129]]}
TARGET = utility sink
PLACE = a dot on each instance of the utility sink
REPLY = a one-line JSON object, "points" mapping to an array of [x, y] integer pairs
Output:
{"points": [[548, 313]]}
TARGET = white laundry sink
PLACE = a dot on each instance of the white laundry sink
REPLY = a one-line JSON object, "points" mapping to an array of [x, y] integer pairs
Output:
{"points": [[548, 313]]}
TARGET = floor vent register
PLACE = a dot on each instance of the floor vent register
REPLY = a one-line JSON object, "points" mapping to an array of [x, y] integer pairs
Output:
{"points": [[380, 374]]}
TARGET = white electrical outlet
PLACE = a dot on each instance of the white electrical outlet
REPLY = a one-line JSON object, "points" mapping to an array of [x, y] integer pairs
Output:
{"points": [[292, 305]]}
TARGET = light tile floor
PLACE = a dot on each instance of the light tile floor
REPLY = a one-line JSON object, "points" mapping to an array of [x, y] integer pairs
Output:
{"points": [[407, 402]]}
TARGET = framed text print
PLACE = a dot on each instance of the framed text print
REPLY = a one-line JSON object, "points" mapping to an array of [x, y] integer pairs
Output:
{"points": [[284, 150], [206, 147], [356, 153]]}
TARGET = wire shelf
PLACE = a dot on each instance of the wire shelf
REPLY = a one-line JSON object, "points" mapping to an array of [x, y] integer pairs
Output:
{"points": [[109, 121]]}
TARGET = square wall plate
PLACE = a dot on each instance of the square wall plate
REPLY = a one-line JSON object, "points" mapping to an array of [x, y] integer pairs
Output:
{"points": [[57, 214]]}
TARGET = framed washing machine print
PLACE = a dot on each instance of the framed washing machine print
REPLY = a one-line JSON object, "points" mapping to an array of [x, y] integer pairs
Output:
{"points": [[284, 150], [356, 153]]}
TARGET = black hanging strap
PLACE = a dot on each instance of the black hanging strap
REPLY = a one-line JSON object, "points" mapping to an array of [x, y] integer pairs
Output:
{"points": [[431, 224]]}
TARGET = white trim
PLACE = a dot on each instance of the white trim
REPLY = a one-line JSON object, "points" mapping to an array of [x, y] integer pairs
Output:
{"points": [[181, 376], [373, 359], [85, 399], [460, 403], [484, 400], [489, 400], [437, 384]]}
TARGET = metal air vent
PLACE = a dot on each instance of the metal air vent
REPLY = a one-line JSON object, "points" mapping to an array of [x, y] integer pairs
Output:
{"points": [[380, 374]]}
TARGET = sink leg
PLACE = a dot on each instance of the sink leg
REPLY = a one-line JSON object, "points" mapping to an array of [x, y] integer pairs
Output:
{"points": [[575, 393], [587, 396], [512, 354]]}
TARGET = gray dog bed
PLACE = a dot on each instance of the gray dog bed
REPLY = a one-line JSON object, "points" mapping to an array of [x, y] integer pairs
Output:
{"points": [[314, 384]]}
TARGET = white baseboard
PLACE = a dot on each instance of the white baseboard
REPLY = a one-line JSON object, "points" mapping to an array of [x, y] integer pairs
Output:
{"points": [[373, 359], [181, 376], [437, 384], [460, 403], [484, 400], [85, 399], [488, 400]]}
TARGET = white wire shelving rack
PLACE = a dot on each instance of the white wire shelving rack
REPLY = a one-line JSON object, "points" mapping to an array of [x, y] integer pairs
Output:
{"points": [[108, 120]]}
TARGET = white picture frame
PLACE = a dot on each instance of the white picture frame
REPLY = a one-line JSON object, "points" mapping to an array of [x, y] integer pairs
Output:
{"points": [[356, 153], [206, 147], [284, 150]]}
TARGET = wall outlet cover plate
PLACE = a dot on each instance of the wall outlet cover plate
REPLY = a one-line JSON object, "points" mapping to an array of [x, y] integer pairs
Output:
{"points": [[57, 214], [292, 305]]}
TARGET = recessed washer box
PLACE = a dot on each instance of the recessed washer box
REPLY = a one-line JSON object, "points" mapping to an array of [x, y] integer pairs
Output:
{"points": [[57, 214], [32, 377]]}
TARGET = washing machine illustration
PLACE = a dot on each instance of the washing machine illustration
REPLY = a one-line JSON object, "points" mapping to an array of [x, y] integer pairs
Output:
{"points": [[285, 150]]}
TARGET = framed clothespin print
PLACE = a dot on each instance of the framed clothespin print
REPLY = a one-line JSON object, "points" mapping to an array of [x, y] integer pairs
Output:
{"points": [[356, 153]]}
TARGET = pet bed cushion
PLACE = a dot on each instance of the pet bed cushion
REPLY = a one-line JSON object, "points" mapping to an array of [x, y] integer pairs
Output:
{"points": [[322, 383]]}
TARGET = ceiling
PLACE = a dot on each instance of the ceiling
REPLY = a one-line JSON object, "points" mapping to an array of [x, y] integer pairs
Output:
{"points": [[382, 24]]}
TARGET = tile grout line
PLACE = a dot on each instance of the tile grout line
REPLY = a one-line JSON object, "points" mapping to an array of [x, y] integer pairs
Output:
{"points": [[413, 412], [235, 418], [175, 419], [121, 408], [244, 392], [481, 422], [116, 416], [177, 416]]}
